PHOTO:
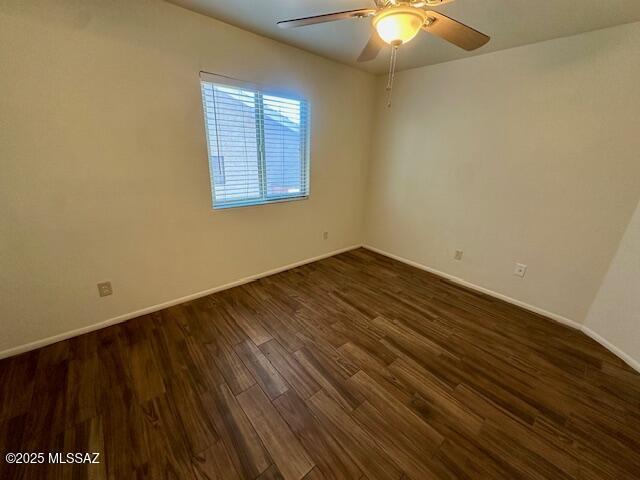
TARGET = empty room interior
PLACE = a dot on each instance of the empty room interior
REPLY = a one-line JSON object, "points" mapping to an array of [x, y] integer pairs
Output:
{"points": [[337, 239]]}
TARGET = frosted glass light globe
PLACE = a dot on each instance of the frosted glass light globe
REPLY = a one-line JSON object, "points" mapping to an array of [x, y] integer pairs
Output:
{"points": [[399, 25]]}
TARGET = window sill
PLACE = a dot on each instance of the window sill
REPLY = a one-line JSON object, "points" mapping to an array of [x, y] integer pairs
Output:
{"points": [[259, 204]]}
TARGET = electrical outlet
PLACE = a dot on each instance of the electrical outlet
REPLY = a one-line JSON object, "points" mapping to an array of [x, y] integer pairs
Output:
{"points": [[325, 235], [458, 255], [104, 289], [520, 270]]}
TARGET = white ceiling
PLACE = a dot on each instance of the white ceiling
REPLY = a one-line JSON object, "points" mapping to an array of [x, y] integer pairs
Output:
{"points": [[510, 23]]}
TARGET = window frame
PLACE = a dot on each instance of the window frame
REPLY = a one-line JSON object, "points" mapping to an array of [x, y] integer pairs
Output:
{"points": [[305, 141]]}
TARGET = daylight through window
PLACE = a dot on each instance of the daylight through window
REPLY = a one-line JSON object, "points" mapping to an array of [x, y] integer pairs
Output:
{"points": [[257, 142]]}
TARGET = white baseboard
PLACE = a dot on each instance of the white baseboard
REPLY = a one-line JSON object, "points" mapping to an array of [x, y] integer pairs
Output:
{"points": [[628, 359], [154, 308], [532, 308]]}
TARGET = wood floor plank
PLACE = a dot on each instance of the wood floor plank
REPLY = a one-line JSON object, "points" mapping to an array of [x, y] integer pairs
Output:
{"points": [[125, 426], [231, 367], [271, 473], [301, 381], [19, 370], [327, 376], [323, 449], [83, 389], [86, 437], [364, 340], [166, 438], [198, 315], [288, 454], [250, 323], [315, 474], [144, 372], [263, 371], [197, 421], [410, 455], [316, 344], [370, 458], [401, 417], [501, 425], [437, 393], [199, 368], [214, 463], [281, 325], [46, 418], [239, 436], [225, 325]]}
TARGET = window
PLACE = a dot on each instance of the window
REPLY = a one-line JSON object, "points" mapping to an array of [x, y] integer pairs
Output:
{"points": [[258, 143]]}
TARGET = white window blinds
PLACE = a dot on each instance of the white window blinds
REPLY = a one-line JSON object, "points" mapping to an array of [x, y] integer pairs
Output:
{"points": [[258, 143]]}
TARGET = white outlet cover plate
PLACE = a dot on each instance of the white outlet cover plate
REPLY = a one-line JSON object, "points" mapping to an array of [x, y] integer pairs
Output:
{"points": [[520, 270], [105, 289]]}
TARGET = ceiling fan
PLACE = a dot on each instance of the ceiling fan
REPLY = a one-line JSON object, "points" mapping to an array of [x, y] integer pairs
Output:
{"points": [[397, 22]]}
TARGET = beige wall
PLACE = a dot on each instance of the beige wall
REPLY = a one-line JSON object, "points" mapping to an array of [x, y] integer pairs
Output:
{"points": [[615, 313], [103, 170], [526, 155]]}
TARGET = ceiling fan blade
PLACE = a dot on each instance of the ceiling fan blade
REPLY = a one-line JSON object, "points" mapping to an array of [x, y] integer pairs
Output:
{"points": [[372, 48], [329, 17], [455, 32]]}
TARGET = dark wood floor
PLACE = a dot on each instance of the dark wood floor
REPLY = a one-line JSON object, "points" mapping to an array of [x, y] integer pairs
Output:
{"points": [[353, 367]]}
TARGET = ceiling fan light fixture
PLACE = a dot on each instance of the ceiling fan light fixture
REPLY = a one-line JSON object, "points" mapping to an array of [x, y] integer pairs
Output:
{"points": [[398, 25]]}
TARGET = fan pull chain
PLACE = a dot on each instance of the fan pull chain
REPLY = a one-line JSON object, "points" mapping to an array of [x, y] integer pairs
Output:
{"points": [[392, 72]]}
